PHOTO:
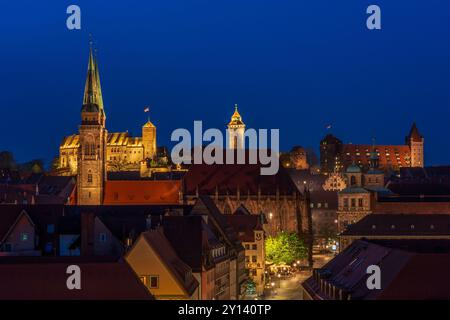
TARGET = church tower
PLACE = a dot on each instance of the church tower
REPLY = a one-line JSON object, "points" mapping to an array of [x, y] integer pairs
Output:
{"points": [[415, 142], [236, 130], [91, 174], [149, 140]]}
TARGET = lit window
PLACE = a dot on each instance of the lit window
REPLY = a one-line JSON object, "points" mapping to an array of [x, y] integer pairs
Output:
{"points": [[24, 236], [150, 281]]}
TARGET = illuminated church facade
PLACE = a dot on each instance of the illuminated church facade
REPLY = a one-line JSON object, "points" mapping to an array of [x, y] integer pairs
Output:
{"points": [[122, 151]]}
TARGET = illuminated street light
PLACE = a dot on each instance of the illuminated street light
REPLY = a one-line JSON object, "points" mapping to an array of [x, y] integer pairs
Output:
{"points": [[270, 215]]}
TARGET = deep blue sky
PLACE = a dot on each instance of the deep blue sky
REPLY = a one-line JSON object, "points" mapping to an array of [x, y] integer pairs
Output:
{"points": [[294, 65]]}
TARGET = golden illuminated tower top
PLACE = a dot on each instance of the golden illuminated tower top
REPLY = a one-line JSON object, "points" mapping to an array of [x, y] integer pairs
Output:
{"points": [[236, 119], [236, 131]]}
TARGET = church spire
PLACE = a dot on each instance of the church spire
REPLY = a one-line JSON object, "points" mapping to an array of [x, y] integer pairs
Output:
{"points": [[99, 87], [92, 99]]}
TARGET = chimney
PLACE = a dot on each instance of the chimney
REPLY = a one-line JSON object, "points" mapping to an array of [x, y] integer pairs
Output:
{"points": [[87, 233]]}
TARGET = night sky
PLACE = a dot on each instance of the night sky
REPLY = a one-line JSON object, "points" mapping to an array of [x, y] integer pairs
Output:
{"points": [[293, 65]]}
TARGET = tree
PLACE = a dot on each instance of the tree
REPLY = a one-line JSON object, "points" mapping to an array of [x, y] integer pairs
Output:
{"points": [[7, 160], [286, 247], [33, 166]]}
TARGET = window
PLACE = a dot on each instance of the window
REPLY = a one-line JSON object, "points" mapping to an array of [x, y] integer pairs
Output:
{"points": [[102, 237], [24, 236], [150, 281], [116, 196], [7, 247], [346, 202], [89, 177], [253, 258], [360, 202], [254, 247], [153, 281], [50, 228], [247, 247], [48, 247], [247, 259], [353, 202]]}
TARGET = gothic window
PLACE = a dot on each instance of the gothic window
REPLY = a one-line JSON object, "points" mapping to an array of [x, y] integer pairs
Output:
{"points": [[89, 147], [227, 209], [89, 178]]}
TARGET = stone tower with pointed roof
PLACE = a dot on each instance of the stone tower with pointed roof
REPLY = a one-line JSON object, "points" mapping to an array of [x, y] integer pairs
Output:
{"points": [[149, 140], [235, 131], [415, 141], [91, 171]]}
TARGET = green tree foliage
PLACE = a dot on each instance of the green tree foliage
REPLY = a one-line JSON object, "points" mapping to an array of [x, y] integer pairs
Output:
{"points": [[7, 160], [286, 247]]}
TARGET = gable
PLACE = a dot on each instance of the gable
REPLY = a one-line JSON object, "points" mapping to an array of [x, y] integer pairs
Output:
{"points": [[145, 261]]}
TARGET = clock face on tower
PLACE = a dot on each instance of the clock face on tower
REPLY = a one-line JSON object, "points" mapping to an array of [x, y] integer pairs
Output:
{"points": [[258, 236]]}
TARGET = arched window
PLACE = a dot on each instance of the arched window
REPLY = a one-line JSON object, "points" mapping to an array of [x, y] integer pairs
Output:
{"points": [[227, 209], [352, 180]]}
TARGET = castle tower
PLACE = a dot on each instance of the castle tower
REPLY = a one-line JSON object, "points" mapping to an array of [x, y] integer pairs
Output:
{"points": [[149, 140], [415, 142], [236, 130], [91, 173]]}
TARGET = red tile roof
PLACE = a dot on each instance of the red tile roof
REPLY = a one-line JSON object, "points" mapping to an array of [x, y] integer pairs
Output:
{"points": [[231, 177], [142, 192], [46, 280], [406, 274], [245, 225]]}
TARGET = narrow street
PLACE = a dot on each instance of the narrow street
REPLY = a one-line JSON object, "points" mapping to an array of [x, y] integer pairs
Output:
{"points": [[290, 288]]}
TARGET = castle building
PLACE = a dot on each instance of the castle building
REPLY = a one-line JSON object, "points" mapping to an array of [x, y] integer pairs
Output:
{"points": [[296, 158], [358, 198], [236, 131], [335, 155], [94, 156], [122, 151]]}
